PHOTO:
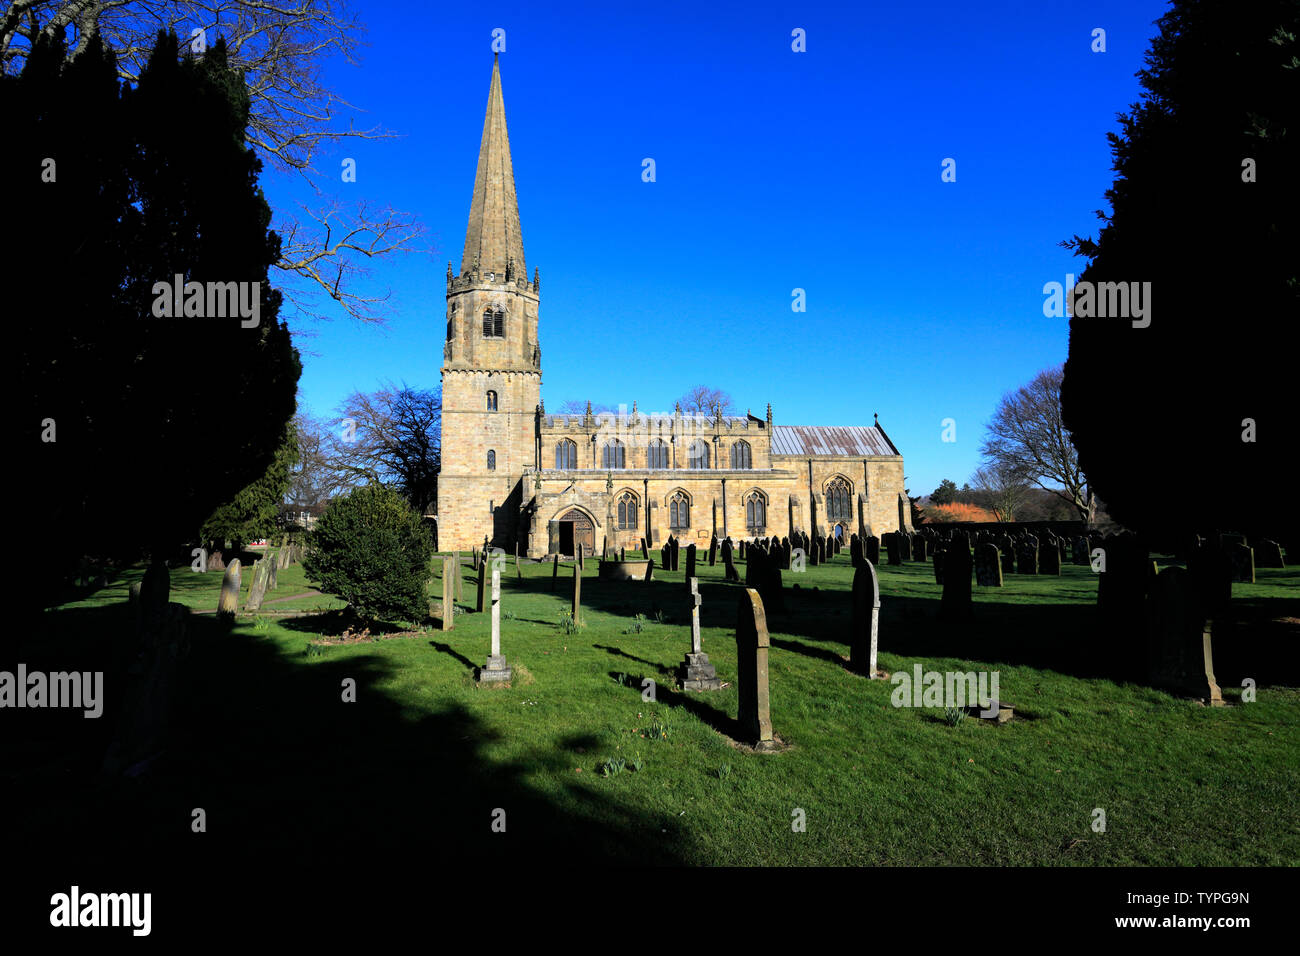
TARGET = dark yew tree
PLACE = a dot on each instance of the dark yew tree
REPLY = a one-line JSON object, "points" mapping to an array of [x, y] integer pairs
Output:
{"points": [[1158, 414], [135, 427]]}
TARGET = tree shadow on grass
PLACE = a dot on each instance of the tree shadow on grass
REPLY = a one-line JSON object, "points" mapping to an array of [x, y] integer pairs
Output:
{"points": [[285, 770]]}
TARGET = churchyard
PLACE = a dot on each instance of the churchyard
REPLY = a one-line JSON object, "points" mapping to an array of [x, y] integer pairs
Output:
{"points": [[578, 756]]}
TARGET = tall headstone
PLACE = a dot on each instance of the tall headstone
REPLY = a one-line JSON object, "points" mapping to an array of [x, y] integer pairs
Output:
{"points": [[456, 569], [1243, 563], [918, 548], [555, 570], [677, 548], [893, 545], [696, 671], [855, 552], [645, 550], [228, 602], [871, 550], [1027, 555], [713, 551], [936, 558], [752, 644], [865, 634], [690, 565], [480, 601], [728, 564], [257, 587], [956, 601], [988, 565], [577, 594], [1079, 552], [1180, 654], [1049, 558], [449, 594], [496, 669]]}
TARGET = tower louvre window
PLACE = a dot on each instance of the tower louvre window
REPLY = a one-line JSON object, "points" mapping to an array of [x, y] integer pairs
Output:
{"points": [[494, 324], [491, 401], [492, 461]]}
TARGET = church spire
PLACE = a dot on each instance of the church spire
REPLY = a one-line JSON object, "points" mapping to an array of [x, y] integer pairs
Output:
{"points": [[493, 239]]}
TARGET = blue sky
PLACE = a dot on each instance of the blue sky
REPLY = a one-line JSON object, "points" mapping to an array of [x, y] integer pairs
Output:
{"points": [[775, 170]]}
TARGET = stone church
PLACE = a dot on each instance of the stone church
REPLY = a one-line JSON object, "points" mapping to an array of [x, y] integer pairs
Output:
{"points": [[519, 477]]}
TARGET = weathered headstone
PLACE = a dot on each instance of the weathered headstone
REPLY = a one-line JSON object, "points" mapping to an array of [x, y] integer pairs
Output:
{"points": [[1180, 654], [936, 558], [1079, 552], [228, 602], [918, 548], [855, 552], [690, 565], [713, 550], [1268, 554], [449, 594], [1027, 555], [555, 570], [645, 550], [696, 671], [988, 566], [677, 548], [892, 546], [865, 634], [1049, 558], [257, 587], [577, 594], [956, 601], [481, 596], [752, 643], [871, 550], [496, 669], [1243, 563], [728, 564], [457, 570]]}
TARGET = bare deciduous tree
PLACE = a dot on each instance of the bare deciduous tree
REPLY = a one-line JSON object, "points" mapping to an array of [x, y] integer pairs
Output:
{"points": [[281, 47], [393, 436], [1000, 488], [702, 400], [1028, 438]]}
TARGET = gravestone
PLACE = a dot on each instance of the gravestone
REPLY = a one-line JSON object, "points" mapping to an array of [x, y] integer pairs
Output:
{"points": [[988, 566], [892, 546], [752, 644], [936, 557], [480, 599], [904, 547], [814, 554], [1079, 552], [729, 566], [1049, 556], [649, 571], [456, 568], [449, 594], [713, 551], [1268, 554], [272, 573], [577, 594], [865, 634], [1243, 563], [956, 602], [1027, 555], [228, 601], [257, 587], [496, 670], [677, 548], [742, 549], [1180, 654], [690, 565], [871, 550], [770, 585], [216, 562], [696, 671], [918, 548], [1007, 557], [855, 552], [645, 550], [579, 549], [555, 571]]}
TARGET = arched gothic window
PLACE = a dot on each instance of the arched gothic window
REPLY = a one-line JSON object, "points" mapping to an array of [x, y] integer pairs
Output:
{"points": [[494, 324], [627, 510], [741, 456], [755, 512], [679, 512], [613, 455], [566, 456], [492, 460], [657, 454], [838, 500], [699, 454], [491, 401]]}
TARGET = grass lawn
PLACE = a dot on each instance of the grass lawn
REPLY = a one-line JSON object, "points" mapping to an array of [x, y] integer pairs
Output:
{"points": [[417, 765]]}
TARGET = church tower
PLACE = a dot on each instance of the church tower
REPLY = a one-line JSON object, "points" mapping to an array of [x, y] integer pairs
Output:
{"points": [[492, 363]]}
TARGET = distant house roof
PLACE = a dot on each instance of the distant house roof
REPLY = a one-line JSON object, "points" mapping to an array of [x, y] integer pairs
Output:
{"points": [[850, 441]]}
